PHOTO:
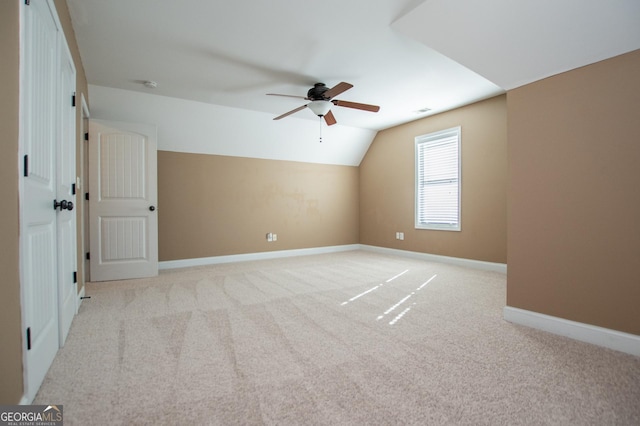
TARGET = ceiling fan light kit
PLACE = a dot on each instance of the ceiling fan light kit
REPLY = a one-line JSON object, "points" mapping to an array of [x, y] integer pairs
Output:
{"points": [[320, 108]]}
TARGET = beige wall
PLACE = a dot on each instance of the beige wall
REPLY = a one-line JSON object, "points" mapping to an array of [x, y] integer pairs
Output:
{"points": [[387, 186], [574, 171], [211, 205], [10, 320], [11, 386]]}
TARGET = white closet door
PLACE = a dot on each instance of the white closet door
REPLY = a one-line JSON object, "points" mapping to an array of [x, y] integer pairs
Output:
{"points": [[122, 200], [38, 217], [66, 179]]}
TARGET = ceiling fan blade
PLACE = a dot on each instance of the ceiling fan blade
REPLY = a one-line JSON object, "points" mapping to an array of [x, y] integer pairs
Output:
{"points": [[288, 96], [293, 111], [364, 107], [329, 118], [337, 89]]}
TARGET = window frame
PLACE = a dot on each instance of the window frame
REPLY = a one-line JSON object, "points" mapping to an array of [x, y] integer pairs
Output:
{"points": [[440, 135]]}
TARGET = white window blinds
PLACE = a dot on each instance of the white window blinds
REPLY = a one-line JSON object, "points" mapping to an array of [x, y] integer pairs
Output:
{"points": [[438, 180]]}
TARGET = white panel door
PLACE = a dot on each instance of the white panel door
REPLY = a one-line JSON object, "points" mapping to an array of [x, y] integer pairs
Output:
{"points": [[66, 179], [38, 217], [122, 200]]}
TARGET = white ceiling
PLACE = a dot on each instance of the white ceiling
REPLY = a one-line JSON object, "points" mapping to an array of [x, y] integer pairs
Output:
{"points": [[234, 52], [403, 55]]}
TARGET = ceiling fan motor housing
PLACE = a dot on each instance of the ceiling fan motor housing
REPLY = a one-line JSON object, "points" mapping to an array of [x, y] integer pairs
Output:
{"points": [[316, 93]]}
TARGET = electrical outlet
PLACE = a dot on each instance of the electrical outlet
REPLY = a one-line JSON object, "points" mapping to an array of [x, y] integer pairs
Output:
{"points": [[401, 235], [274, 237], [269, 237]]}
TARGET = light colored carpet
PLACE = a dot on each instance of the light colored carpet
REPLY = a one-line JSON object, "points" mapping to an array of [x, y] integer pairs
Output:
{"points": [[329, 339]]}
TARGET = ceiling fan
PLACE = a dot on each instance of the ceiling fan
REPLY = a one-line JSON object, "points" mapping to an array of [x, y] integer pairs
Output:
{"points": [[321, 98]]}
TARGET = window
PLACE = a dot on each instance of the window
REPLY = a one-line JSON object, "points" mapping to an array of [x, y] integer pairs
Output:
{"points": [[438, 180]]}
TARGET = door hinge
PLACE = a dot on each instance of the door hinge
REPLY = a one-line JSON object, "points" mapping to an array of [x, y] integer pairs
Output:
{"points": [[86, 136], [88, 256], [73, 189], [27, 2], [26, 165], [28, 338], [73, 99], [86, 196], [75, 277]]}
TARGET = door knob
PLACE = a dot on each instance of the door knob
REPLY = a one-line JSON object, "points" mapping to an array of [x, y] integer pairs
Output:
{"points": [[152, 208], [64, 205]]}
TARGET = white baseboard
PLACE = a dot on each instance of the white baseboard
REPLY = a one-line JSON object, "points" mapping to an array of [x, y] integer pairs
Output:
{"points": [[24, 401], [185, 263], [612, 339], [469, 263], [202, 261]]}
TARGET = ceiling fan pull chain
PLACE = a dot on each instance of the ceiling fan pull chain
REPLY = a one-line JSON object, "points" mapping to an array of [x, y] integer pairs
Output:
{"points": [[320, 128]]}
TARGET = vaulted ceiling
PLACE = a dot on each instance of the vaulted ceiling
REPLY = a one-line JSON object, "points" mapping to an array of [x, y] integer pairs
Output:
{"points": [[413, 58]]}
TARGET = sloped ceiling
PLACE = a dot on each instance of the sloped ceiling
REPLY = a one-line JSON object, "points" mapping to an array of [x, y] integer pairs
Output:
{"points": [[513, 43], [403, 55]]}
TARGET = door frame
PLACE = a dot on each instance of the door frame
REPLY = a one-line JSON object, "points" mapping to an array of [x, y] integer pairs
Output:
{"points": [[83, 204]]}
